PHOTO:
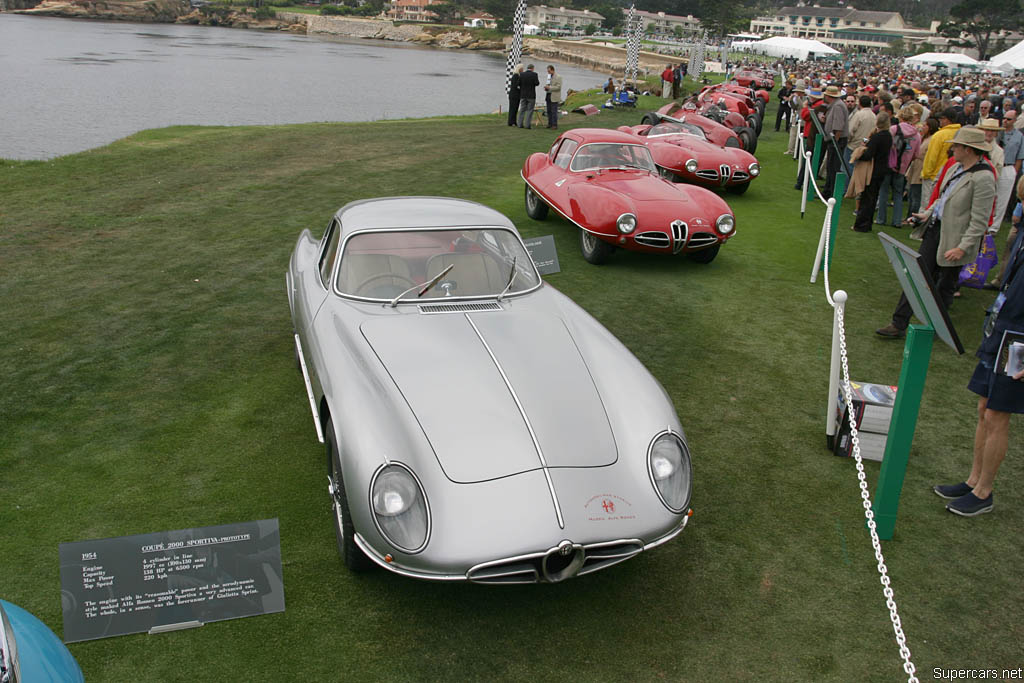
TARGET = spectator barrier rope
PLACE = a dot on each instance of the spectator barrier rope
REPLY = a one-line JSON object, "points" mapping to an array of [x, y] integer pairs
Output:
{"points": [[838, 303]]}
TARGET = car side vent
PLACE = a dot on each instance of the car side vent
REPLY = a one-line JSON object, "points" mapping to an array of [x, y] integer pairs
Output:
{"points": [[460, 308]]}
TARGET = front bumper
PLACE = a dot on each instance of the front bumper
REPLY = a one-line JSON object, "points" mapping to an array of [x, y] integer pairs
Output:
{"points": [[553, 565]]}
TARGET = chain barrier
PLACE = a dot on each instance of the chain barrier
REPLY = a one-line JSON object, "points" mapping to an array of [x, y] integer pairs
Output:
{"points": [[838, 303]]}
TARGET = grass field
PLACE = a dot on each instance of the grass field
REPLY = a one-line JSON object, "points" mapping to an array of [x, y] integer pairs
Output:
{"points": [[149, 385]]}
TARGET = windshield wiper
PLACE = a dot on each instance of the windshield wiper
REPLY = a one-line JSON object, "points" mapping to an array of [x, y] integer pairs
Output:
{"points": [[437, 278], [511, 278]]}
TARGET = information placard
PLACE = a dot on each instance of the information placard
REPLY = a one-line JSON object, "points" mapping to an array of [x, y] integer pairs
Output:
{"points": [[170, 579], [542, 251]]}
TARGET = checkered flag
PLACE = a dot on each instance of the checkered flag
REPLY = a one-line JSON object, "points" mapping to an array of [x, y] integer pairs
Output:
{"points": [[515, 49], [638, 32], [630, 52], [697, 68]]}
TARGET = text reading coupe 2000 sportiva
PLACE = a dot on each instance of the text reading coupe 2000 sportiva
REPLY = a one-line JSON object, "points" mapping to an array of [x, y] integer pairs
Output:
{"points": [[478, 424]]}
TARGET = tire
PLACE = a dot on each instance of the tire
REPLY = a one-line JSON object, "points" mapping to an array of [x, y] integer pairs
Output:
{"points": [[595, 250], [649, 119], [535, 206], [351, 556], [759, 105], [704, 255], [739, 189], [754, 121], [748, 137]]}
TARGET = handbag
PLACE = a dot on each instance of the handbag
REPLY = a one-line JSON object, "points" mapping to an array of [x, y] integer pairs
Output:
{"points": [[976, 274]]}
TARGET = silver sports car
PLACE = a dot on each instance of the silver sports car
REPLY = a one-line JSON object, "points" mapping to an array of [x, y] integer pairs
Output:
{"points": [[478, 424]]}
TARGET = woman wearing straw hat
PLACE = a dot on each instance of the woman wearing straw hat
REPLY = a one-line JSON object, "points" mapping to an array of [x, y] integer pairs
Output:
{"points": [[1007, 173], [1001, 393], [952, 226]]}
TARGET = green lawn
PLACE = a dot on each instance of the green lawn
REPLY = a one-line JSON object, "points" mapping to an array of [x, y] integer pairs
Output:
{"points": [[149, 385]]}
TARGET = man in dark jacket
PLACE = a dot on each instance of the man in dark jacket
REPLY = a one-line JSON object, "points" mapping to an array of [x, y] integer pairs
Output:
{"points": [[513, 95], [528, 83]]}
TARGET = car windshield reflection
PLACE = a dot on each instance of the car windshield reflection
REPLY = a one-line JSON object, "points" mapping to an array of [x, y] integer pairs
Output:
{"points": [[612, 155], [675, 128], [381, 265]]}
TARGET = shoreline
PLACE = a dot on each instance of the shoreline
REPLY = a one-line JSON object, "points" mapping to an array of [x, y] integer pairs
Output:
{"points": [[605, 59]]}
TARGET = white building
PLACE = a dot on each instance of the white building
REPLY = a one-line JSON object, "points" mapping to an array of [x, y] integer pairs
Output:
{"points": [[561, 19], [664, 25], [844, 28]]}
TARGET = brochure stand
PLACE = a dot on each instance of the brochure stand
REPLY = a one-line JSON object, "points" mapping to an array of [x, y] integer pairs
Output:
{"points": [[922, 295]]}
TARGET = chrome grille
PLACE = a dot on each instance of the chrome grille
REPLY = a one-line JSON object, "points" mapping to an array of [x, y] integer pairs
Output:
{"points": [[700, 240], [707, 174], [553, 565], [460, 308], [653, 239], [740, 175], [680, 236], [726, 171]]}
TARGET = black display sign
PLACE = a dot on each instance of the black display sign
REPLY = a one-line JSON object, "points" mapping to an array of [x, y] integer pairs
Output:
{"points": [[168, 580], [542, 251]]}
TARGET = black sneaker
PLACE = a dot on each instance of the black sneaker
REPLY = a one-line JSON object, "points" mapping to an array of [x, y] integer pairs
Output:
{"points": [[952, 491], [969, 505]]}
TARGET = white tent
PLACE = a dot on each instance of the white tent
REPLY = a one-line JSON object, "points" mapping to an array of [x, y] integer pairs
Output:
{"points": [[951, 59], [1014, 56], [781, 46]]}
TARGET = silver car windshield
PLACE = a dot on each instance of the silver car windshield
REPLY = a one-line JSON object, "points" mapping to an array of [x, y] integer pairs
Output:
{"points": [[598, 155], [676, 128], [380, 265]]}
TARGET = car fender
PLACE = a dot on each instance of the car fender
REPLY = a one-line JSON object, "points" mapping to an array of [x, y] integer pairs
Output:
{"points": [[534, 163], [596, 208]]}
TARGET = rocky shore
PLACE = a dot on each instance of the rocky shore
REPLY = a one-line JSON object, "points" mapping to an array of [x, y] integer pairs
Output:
{"points": [[603, 58]]}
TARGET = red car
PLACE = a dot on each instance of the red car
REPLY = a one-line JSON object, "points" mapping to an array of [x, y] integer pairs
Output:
{"points": [[755, 78], [606, 183], [684, 155], [722, 127], [735, 102]]}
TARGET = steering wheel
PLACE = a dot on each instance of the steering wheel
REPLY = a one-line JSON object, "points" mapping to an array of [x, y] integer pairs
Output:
{"points": [[380, 276]]}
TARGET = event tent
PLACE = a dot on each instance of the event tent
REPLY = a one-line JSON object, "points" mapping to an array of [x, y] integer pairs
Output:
{"points": [[1014, 57], [947, 59], [782, 46]]}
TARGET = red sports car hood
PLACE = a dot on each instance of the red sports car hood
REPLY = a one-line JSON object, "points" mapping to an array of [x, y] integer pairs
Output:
{"points": [[638, 187]]}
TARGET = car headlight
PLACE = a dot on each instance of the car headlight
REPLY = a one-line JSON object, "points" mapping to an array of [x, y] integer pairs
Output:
{"points": [[668, 462], [691, 165], [725, 224], [400, 507], [754, 169], [626, 223]]}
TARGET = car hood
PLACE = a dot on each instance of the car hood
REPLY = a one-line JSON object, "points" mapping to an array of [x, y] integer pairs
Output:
{"points": [[638, 187], [495, 393]]}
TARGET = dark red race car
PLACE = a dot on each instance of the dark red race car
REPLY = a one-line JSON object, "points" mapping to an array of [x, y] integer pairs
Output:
{"points": [[606, 183], [684, 155], [734, 102], [755, 78], [721, 126]]}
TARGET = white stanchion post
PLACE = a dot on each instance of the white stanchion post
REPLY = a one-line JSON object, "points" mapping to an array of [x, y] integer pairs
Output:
{"points": [[833, 372], [826, 227], [807, 179]]}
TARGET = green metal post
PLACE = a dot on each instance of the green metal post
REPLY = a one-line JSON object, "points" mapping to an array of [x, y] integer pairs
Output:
{"points": [[838, 193], [916, 354], [815, 158]]}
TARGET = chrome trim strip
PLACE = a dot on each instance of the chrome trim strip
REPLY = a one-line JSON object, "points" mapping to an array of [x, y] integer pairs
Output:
{"points": [[398, 569], [526, 419], [670, 535], [435, 309], [309, 390]]}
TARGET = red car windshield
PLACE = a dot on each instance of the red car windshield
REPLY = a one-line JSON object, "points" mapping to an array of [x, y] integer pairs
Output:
{"points": [[673, 128], [612, 155]]}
